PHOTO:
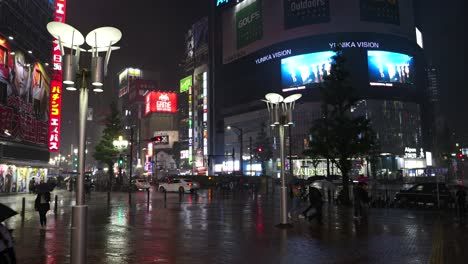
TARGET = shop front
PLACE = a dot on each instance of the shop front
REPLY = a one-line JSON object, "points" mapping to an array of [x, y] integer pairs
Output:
{"points": [[16, 179]]}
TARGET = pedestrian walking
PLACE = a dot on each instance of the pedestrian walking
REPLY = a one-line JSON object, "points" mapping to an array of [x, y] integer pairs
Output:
{"points": [[42, 205], [361, 201], [315, 202], [295, 195], [7, 251], [32, 186], [461, 202]]}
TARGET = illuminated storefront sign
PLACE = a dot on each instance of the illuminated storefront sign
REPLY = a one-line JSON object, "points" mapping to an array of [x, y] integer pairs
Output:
{"points": [[56, 83], [185, 84], [54, 115], [160, 102]]}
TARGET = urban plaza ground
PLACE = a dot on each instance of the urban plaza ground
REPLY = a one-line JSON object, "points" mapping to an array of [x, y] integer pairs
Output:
{"points": [[239, 227]]}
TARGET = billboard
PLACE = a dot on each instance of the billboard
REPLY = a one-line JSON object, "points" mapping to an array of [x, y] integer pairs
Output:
{"points": [[249, 25], [55, 106], [307, 69], [24, 99], [300, 13], [185, 84], [389, 68], [380, 11], [160, 102]]}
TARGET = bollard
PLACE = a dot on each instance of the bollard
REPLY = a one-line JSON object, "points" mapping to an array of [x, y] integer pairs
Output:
{"points": [[56, 204], [147, 196], [23, 205], [180, 196]]}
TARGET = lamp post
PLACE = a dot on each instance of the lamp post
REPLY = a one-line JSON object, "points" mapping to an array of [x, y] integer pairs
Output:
{"points": [[241, 148], [280, 110], [100, 40]]}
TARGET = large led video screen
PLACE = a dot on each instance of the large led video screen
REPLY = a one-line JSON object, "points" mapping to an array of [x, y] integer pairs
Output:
{"points": [[300, 71], [389, 68]]}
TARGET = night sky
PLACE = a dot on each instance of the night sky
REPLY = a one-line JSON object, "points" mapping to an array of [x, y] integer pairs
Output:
{"points": [[153, 39]]}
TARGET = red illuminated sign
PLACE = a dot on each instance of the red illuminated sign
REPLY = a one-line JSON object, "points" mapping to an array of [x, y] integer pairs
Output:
{"points": [[56, 83], [160, 102], [54, 115]]}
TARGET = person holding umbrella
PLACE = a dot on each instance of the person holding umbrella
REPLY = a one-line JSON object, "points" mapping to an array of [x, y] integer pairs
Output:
{"points": [[7, 251], [41, 204]]}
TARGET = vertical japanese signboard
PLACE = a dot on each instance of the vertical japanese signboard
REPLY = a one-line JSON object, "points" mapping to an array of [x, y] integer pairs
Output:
{"points": [[56, 83]]}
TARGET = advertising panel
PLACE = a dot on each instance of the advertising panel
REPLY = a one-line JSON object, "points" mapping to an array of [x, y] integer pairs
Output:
{"points": [[380, 11], [17, 179], [24, 94], [55, 107], [160, 102], [307, 69], [249, 26], [389, 68], [253, 25], [185, 84], [125, 77], [300, 13]]}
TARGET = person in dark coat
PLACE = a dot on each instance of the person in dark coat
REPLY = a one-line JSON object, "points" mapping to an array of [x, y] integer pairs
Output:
{"points": [[42, 206], [7, 251], [361, 201], [461, 202], [316, 202]]}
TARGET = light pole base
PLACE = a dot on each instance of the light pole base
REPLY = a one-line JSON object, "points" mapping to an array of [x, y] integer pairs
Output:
{"points": [[284, 226], [79, 234]]}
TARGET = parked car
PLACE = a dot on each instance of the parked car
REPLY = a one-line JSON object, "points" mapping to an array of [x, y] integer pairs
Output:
{"points": [[179, 185], [424, 193], [141, 184]]}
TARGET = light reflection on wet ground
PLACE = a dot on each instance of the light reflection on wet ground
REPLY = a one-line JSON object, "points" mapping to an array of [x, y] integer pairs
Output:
{"points": [[224, 228]]}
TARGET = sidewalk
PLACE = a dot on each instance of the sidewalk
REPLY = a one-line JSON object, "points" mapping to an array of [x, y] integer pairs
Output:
{"points": [[235, 228]]}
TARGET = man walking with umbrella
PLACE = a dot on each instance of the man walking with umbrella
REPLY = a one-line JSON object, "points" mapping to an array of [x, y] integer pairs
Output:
{"points": [[41, 204], [7, 252]]}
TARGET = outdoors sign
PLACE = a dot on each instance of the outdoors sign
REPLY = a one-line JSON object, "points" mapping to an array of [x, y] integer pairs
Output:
{"points": [[56, 83], [300, 13], [160, 102], [381, 11], [249, 24], [185, 84]]}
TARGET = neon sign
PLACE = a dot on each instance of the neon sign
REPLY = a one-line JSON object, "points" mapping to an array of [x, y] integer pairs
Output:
{"points": [[56, 83], [161, 102]]}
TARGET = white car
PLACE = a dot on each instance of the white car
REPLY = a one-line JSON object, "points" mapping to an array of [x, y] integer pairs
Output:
{"points": [[179, 185], [142, 184]]}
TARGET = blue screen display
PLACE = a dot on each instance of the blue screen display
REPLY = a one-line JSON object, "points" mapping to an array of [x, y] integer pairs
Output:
{"points": [[388, 68], [307, 69]]}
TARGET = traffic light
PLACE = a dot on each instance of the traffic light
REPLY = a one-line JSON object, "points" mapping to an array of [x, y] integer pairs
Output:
{"points": [[157, 139], [120, 161], [460, 155], [75, 161], [259, 149]]}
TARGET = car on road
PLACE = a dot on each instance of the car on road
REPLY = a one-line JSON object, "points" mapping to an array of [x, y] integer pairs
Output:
{"points": [[179, 185], [141, 184], [424, 193]]}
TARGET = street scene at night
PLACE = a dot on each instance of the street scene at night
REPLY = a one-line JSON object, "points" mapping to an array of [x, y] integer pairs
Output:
{"points": [[233, 131]]}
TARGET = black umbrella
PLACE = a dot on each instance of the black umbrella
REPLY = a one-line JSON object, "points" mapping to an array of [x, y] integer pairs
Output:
{"points": [[6, 212], [43, 188], [315, 178]]}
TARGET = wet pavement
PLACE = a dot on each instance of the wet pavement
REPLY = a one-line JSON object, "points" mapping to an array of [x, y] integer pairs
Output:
{"points": [[233, 228]]}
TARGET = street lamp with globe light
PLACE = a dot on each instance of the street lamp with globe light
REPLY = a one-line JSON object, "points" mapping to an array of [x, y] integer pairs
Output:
{"points": [[280, 110], [100, 39]]}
